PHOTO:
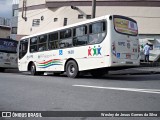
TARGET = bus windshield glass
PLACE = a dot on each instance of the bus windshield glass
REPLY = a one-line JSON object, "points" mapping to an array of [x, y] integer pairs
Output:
{"points": [[125, 26], [8, 46]]}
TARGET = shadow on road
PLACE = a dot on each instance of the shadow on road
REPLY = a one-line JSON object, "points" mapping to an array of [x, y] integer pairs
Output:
{"points": [[120, 77]]}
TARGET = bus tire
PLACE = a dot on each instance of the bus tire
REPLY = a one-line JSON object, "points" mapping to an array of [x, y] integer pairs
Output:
{"points": [[33, 70], [98, 73], [72, 69]]}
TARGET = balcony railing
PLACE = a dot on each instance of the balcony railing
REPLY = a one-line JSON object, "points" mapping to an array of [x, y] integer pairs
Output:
{"points": [[5, 22]]}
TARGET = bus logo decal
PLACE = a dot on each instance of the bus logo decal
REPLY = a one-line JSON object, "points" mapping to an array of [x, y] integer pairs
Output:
{"points": [[94, 51], [118, 55], [49, 63], [60, 52]]}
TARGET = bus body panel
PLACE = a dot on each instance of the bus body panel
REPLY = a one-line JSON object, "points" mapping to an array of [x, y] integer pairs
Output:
{"points": [[8, 60], [125, 49], [87, 57]]}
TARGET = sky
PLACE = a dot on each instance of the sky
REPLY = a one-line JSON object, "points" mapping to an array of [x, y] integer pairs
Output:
{"points": [[6, 8]]}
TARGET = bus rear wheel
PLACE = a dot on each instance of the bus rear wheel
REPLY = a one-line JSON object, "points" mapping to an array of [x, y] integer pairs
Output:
{"points": [[72, 69]]}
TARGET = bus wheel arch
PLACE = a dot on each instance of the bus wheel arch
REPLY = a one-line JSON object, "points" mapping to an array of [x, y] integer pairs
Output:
{"points": [[32, 68], [72, 68], [29, 65]]}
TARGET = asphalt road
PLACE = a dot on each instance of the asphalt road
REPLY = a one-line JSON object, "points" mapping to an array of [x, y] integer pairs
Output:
{"points": [[23, 92]]}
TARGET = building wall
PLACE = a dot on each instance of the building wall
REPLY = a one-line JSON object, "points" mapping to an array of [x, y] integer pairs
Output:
{"points": [[148, 18], [4, 32], [14, 22]]}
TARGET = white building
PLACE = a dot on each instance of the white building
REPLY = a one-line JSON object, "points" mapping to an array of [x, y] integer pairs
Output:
{"points": [[14, 19], [4, 27]]}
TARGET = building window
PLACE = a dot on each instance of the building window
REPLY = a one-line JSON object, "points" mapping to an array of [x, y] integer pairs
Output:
{"points": [[65, 22], [15, 12], [80, 16], [55, 19], [88, 16], [14, 30], [36, 22]]}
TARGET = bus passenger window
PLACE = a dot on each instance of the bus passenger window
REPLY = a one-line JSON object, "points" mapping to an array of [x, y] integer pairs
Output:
{"points": [[23, 48], [42, 47], [80, 35], [42, 38], [65, 43], [65, 34], [65, 38], [42, 44], [33, 44], [97, 32], [53, 41], [33, 48], [33, 40]]}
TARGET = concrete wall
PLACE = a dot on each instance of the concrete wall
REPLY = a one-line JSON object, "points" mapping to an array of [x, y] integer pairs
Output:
{"points": [[147, 17], [4, 32], [14, 22]]}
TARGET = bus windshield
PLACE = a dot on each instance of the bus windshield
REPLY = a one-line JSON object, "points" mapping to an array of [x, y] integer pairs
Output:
{"points": [[125, 26], [8, 45]]}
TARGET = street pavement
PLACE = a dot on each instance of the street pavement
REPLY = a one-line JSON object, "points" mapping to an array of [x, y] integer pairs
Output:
{"points": [[113, 92]]}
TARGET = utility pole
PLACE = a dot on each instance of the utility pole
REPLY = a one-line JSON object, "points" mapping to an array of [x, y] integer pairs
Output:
{"points": [[93, 8]]}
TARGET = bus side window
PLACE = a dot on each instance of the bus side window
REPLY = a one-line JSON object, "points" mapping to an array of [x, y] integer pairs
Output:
{"points": [[33, 44], [65, 38], [42, 44], [97, 32], [80, 36], [53, 41], [23, 48]]}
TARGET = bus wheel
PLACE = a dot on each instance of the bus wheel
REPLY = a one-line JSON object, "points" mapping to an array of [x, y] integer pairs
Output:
{"points": [[72, 69], [98, 73], [33, 70]]}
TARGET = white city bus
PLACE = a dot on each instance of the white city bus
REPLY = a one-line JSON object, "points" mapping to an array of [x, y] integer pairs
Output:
{"points": [[96, 46], [8, 54]]}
